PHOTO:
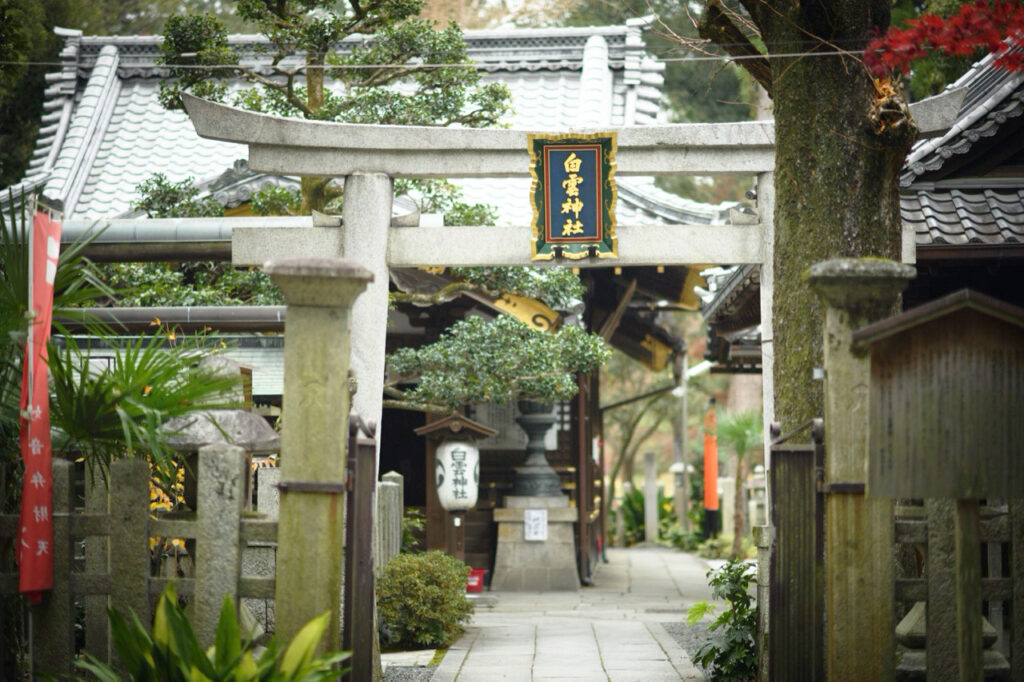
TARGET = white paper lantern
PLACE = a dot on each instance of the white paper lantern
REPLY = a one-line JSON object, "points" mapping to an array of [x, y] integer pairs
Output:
{"points": [[457, 473]]}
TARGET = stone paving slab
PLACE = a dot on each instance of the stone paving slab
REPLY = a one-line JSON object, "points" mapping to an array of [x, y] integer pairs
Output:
{"points": [[607, 632]]}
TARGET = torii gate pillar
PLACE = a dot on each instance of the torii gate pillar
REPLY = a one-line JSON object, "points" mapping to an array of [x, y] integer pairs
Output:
{"points": [[366, 219]]}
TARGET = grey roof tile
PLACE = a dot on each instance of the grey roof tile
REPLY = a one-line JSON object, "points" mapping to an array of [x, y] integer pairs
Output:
{"points": [[965, 216], [542, 67], [993, 97]]}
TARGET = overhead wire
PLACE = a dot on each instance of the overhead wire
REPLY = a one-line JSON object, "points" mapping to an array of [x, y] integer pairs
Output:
{"points": [[472, 65]]}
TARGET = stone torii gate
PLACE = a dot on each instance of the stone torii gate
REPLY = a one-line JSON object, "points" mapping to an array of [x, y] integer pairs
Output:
{"points": [[369, 157]]}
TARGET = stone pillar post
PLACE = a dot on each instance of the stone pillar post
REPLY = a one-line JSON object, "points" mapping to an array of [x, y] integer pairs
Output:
{"points": [[366, 219], [858, 530], [223, 472], [681, 496], [650, 497], [766, 212], [319, 293]]}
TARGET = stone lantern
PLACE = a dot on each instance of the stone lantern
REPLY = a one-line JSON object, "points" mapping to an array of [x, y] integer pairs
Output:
{"points": [[247, 430], [536, 543]]}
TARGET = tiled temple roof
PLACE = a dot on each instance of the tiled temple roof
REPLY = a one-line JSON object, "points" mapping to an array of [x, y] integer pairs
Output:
{"points": [[991, 216], [105, 130], [947, 201]]}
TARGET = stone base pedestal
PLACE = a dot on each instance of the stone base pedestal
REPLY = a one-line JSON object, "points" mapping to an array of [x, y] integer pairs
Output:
{"points": [[532, 565]]}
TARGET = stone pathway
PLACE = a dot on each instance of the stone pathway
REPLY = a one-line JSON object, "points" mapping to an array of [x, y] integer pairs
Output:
{"points": [[609, 631]]}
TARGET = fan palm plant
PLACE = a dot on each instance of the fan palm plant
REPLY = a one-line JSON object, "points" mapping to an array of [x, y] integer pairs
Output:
{"points": [[741, 432], [100, 412]]}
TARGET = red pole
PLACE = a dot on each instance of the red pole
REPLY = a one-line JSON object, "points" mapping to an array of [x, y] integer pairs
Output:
{"points": [[711, 519]]}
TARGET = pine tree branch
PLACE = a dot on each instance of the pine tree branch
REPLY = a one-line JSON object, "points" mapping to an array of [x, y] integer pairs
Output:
{"points": [[416, 407], [443, 295], [284, 88]]}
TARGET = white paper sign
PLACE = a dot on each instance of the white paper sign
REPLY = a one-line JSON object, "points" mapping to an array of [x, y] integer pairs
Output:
{"points": [[535, 524]]}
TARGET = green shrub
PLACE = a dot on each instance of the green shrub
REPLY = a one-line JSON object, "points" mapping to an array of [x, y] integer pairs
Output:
{"points": [[686, 540], [718, 547], [413, 523], [422, 599], [732, 653], [632, 511], [172, 653]]}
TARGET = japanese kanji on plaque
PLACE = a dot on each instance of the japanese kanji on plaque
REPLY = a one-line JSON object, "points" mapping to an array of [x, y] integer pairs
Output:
{"points": [[35, 556], [573, 196]]}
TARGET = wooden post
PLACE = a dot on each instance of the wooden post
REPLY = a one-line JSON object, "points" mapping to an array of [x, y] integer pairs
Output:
{"points": [[53, 620], [796, 593], [360, 622], [954, 566], [860, 628], [223, 475], [1017, 580], [129, 538], [319, 293]]}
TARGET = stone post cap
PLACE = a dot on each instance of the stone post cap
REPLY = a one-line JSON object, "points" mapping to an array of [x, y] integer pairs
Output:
{"points": [[860, 286], [323, 282]]}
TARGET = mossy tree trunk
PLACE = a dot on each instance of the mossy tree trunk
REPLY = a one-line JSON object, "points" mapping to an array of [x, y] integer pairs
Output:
{"points": [[313, 189], [839, 148]]}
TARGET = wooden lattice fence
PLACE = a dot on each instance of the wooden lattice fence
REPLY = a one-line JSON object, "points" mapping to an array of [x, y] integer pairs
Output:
{"points": [[115, 527]]}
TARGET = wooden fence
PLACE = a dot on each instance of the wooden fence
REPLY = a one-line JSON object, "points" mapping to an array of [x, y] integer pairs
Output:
{"points": [[796, 592], [925, 593], [117, 567]]}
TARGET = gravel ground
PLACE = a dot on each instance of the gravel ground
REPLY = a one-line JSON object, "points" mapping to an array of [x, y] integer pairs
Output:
{"points": [[689, 637], [408, 673]]}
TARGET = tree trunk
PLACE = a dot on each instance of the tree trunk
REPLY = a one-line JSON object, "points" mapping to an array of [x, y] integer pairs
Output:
{"points": [[312, 189], [836, 175]]}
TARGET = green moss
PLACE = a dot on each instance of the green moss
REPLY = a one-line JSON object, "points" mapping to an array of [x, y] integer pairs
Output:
{"points": [[836, 188]]}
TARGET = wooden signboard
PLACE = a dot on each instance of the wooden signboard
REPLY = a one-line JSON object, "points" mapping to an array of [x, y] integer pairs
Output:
{"points": [[573, 195], [947, 389]]}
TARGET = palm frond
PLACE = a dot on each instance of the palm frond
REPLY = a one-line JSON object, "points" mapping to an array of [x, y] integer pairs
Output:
{"points": [[740, 431], [119, 410]]}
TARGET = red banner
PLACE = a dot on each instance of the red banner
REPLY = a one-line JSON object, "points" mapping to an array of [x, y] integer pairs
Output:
{"points": [[36, 537]]}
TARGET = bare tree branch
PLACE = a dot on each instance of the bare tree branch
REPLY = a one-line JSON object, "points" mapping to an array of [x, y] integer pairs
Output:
{"points": [[717, 26], [284, 88]]}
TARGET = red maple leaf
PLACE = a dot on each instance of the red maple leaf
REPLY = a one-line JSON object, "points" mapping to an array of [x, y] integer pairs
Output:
{"points": [[996, 25]]}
